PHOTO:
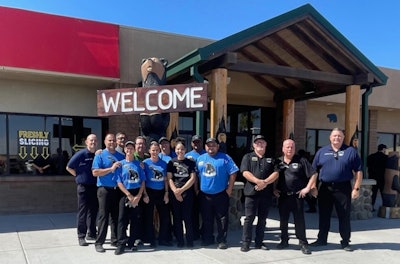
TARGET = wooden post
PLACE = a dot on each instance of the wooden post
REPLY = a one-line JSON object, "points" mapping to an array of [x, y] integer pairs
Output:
{"points": [[173, 124], [288, 118], [352, 111], [218, 103]]}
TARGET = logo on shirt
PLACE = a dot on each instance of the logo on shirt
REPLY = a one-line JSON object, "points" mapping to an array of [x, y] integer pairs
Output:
{"points": [[157, 175], [133, 176], [209, 170]]}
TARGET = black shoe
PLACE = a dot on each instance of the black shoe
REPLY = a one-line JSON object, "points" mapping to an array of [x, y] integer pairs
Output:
{"points": [[283, 244], [114, 244], [346, 247], [305, 250], [261, 246], [222, 245], [245, 247], [318, 243], [165, 243], [90, 238], [99, 248], [82, 242], [120, 250], [137, 242], [206, 243], [180, 244], [189, 244], [132, 248]]}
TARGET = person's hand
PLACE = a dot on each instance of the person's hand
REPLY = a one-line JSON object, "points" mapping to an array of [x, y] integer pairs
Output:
{"points": [[166, 198], [314, 192], [277, 193], [146, 199], [355, 194], [178, 197]]}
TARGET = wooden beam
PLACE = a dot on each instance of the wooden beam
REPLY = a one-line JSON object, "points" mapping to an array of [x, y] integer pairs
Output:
{"points": [[352, 111], [218, 102], [290, 72], [288, 118]]}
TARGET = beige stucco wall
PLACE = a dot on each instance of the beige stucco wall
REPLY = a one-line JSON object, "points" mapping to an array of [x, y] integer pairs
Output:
{"points": [[47, 98], [136, 44]]}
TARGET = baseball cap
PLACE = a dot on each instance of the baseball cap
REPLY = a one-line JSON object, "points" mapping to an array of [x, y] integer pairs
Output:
{"points": [[129, 143], [258, 137], [381, 147], [196, 137], [211, 140], [162, 139]]}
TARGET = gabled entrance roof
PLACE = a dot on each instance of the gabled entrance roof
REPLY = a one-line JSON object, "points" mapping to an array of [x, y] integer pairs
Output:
{"points": [[297, 55]]}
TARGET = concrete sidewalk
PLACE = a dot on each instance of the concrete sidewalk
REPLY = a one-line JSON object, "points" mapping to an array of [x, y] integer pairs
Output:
{"points": [[51, 238]]}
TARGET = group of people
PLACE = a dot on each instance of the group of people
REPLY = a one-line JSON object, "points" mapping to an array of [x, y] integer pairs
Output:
{"points": [[121, 185]]}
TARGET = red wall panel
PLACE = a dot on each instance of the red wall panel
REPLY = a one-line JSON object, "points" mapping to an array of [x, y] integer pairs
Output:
{"points": [[55, 43]]}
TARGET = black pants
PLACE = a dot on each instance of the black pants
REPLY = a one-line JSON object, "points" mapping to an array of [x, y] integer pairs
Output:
{"points": [[156, 200], [108, 209], [338, 195], [257, 205], [129, 216], [214, 207], [182, 212], [378, 186], [292, 204], [87, 210]]}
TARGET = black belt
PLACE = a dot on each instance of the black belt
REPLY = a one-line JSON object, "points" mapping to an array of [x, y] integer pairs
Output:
{"points": [[335, 183], [109, 188]]}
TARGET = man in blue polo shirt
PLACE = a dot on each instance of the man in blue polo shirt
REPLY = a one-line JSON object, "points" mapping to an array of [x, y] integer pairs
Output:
{"points": [[104, 167], [217, 174], [337, 165]]}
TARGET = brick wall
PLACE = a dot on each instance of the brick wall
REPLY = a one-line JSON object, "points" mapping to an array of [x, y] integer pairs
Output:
{"points": [[373, 131], [300, 110], [37, 194]]}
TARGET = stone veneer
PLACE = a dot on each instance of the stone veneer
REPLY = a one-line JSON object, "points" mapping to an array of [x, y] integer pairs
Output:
{"points": [[361, 208], [235, 206]]}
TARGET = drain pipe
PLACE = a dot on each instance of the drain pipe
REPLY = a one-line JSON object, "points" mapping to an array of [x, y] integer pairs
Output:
{"points": [[365, 128]]}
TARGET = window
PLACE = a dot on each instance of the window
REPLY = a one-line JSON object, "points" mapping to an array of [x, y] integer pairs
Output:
{"points": [[32, 141]]}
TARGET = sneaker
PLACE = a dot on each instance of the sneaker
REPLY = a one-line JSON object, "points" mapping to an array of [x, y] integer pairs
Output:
{"points": [[245, 247], [283, 244], [222, 245], [82, 242], [99, 248], [120, 250], [261, 246], [318, 243], [305, 250], [137, 242]]}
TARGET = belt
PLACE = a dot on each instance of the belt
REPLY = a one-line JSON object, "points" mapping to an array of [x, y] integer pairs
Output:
{"points": [[335, 183], [290, 193], [109, 188]]}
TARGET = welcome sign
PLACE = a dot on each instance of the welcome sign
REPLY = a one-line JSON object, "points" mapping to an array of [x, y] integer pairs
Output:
{"points": [[153, 99]]}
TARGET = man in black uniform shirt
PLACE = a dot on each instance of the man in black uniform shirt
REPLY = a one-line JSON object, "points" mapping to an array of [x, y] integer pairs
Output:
{"points": [[259, 172], [376, 163], [296, 180]]}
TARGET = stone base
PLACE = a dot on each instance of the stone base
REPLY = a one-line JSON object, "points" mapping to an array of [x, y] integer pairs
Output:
{"points": [[389, 212]]}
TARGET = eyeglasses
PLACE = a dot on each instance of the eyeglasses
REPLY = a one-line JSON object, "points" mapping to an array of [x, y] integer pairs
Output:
{"points": [[121, 138], [335, 155]]}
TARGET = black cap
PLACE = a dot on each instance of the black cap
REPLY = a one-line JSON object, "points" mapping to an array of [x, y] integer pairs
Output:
{"points": [[196, 137], [162, 139], [129, 143], [381, 147], [211, 139], [258, 137]]}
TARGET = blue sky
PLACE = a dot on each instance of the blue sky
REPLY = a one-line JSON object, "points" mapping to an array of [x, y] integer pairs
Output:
{"points": [[372, 26]]}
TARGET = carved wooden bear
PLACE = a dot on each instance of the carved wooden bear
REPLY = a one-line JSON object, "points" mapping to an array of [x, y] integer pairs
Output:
{"points": [[154, 125]]}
